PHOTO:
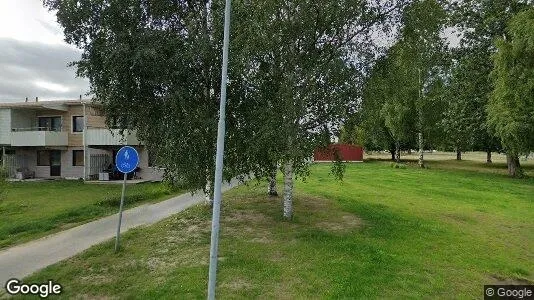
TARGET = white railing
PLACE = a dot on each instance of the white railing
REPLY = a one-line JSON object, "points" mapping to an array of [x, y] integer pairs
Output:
{"points": [[105, 136], [39, 138], [35, 129]]}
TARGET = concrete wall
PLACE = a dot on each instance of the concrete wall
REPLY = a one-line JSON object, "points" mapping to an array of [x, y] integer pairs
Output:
{"points": [[67, 169], [5, 126]]}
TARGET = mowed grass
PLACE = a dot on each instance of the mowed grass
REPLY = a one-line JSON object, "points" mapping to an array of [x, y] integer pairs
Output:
{"points": [[381, 233], [471, 161], [35, 209]]}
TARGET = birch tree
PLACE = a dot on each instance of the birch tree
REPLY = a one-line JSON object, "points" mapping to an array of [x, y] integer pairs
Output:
{"points": [[155, 68], [422, 59], [306, 54], [511, 106], [480, 23]]}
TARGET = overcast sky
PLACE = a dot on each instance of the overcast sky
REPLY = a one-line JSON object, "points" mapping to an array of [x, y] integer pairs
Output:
{"points": [[33, 55]]}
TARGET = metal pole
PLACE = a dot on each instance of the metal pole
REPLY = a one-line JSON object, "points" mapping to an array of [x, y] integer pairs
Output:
{"points": [[84, 137], [117, 239], [4, 157], [219, 159]]}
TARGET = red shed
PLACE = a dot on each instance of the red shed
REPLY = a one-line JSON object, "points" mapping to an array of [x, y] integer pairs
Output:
{"points": [[347, 153]]}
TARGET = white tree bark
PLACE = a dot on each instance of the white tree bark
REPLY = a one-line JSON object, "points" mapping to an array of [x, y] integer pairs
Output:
{"points": [[421, 159], [208, 194], [288, 190], [271, 189], [397, 151]]}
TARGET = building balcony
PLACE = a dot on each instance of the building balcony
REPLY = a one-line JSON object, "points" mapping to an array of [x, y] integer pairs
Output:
{"points": [[38, 136], [107, 137]]}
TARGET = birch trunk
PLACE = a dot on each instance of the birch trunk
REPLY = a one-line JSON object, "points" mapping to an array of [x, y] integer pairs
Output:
{"points": [[488, 157], [392, 151], [288, 190], [514, 167], [421, 158], [397, 151], [208, 194], [271, 189]]}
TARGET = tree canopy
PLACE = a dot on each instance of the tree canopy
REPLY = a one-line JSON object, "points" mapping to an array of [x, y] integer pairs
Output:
{"points": [[511, 106]]}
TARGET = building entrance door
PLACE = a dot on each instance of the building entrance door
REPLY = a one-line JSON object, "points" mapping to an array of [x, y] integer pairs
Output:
{"points": [[55, 163]]}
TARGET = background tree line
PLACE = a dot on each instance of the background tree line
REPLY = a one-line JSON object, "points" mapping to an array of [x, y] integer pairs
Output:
{"points": [[474, 96]]}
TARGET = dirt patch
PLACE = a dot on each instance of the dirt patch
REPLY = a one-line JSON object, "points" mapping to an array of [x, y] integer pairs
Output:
{"points": [[155, 263], [262, 240], [237, 285], [313, 203], [498, 280], [247, 216], [277, 256], [344, 223], [94, 278], [92, 297]]}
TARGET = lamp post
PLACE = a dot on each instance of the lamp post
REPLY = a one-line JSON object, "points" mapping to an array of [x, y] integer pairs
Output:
{"points": [[212, 279]]}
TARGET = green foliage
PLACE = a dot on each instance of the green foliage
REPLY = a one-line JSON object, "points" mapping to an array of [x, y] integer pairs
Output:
{"points": [[301, 81], [480, 22], [352, 134], [398, 166], [154, 66], [403, 94], [511, 106], [338, 166]]}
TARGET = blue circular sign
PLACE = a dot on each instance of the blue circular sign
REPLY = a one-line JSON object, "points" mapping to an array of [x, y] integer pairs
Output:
{"points": [[127, 159]]}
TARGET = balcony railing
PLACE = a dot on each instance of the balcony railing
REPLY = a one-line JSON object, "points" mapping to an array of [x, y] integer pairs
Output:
{"points": [[104, 136], [36, 129], [36, 137]]}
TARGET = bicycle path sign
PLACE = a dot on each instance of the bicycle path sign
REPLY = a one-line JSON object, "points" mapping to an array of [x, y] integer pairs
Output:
{"points": [[127, 159]]}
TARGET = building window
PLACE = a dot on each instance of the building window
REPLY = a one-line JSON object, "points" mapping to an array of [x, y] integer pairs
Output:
{"points": [[77, 124], [43, 158], [49, 123], [77, 157]]}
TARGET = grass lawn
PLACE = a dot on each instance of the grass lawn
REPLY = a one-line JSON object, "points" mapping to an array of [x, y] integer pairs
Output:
{"points": [[35, 209], [381, 233]]}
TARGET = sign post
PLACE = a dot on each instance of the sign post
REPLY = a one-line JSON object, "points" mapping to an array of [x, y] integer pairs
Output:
{"points": [[126, 161]]}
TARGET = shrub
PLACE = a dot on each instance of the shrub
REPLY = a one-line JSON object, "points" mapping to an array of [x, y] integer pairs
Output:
{"points": [[398, 166]]}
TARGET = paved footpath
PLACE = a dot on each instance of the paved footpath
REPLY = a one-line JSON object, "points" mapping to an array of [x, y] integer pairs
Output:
{"points": [[23, 260]]}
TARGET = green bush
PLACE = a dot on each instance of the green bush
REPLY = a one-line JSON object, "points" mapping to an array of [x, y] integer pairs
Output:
{"points": [[398, 165]]}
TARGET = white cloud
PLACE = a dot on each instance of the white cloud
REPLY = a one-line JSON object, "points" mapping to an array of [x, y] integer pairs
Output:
{"points": [[28, 20], [34, 56], [51, 86]]}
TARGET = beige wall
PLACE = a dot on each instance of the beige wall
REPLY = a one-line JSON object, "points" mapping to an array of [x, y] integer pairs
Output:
{"points": [[148, 173], [95, 118], [75, 138], [5, 126], [67, 169]]}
